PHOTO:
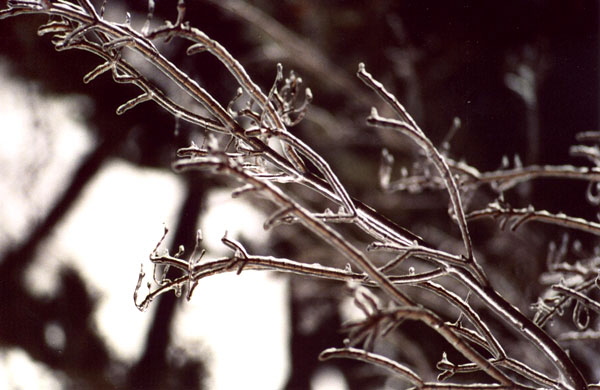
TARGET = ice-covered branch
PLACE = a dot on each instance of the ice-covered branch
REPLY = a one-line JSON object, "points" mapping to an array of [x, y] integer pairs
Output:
{"points": [[254, 145], [513, 218], [408, 126]]}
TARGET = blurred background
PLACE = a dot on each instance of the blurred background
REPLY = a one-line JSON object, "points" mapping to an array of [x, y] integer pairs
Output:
{"points": [[86, 193]]}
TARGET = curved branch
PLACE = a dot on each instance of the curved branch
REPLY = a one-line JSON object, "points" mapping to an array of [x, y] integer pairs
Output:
{"points": [[409, 127], [523, 215], [378, 360]]}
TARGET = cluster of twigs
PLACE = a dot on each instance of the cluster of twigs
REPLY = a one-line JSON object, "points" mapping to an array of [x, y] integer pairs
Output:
{"points": [[571, 284], [250, 140]]}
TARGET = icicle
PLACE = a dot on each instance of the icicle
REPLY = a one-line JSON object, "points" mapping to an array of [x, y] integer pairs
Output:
{"points": [[517, 161], [180, 12], [151, 5], [97, 71], [177, 290], [133, 102], [577, 247], [141, 275], [385, 169], [308, 95], [279, 217], [593, 193], [232, 102], [243, 190], [196, 48], [456, 124], [177, 125], [102, 9], [146, 28], [581, 316]]}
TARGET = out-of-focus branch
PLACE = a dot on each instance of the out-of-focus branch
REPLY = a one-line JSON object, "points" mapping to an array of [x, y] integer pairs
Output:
{"points": [[300, 52]]}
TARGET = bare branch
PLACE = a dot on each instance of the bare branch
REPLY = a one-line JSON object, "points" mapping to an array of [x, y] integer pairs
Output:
{"points": [[520, 216], [378, 360]]}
